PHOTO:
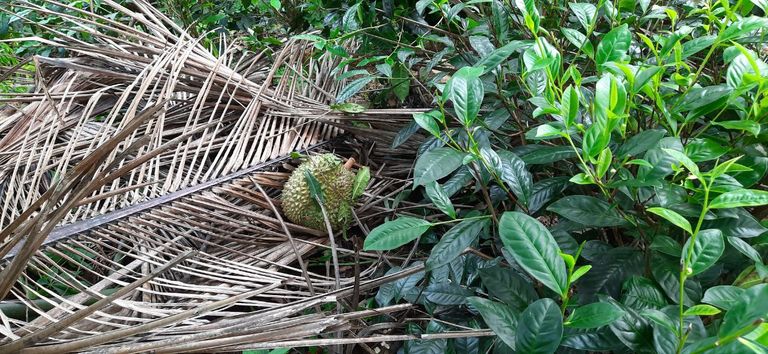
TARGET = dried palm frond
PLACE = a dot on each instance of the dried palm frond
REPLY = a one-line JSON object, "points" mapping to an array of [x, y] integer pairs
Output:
{"points": [[138, 184]]}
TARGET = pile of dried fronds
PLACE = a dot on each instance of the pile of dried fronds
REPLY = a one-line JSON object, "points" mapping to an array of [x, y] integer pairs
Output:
{"points": [[140, 185]]}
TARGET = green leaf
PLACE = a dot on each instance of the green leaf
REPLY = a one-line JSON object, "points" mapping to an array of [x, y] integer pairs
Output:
{"points": [[666, 245], [704, 149], [547, 154], [614, 45], [455, 241], [644, 77], [640, 143], [436, 164], [427, 122], [702, 100], [352, 88], [604, 162], [594, 315], [498, 56], [500, 318], [745, 249], [440, 199], [530, 14], [723, 296], [707, 249], [534, 248], [753, 304], [275, 4], [742, 27], [684, 160], [584, 12], [540, 329], [515, 174], [570, 106], [673, 217], [641, 293], [466, 93], [507, 286], [401, 81], [740, 198], [361, 181], [447, 294], [579, 272], [745, 125], [315, 189], [587, 210], [701, 310], [395, 233]]}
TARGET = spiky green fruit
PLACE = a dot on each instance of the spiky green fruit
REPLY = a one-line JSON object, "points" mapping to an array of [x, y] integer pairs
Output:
{"points": [[336, 182]]}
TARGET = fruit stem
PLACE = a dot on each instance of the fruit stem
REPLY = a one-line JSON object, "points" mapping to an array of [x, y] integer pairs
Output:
{"points": [[351, 162]]}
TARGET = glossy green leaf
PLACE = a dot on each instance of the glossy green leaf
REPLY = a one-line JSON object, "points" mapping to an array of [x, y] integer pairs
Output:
{"points": [[570, 106], [466, 93], [723, 296], [584, 12], [587, 210], [745, 249], [534, 248], [504, 284], [701, 310], [640, 143], [740, 198], [500, 318], [440, 199], [594, 315], [395, 233], [427, 122], [614, 45], [751, 305], [515, 174], [548, 154], [744, 125], [707, 249], [500, 55], [540, 328], [362, 178], [673, 217], [742, 27], [436, 164], [455, 241], [315, 189]]}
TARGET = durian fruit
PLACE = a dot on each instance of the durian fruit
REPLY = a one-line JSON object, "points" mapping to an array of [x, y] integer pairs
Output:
{"points": [[337, 183]]}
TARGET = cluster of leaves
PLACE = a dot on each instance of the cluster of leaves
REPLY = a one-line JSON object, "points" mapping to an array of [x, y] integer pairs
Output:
{"points": [[599, 169]]}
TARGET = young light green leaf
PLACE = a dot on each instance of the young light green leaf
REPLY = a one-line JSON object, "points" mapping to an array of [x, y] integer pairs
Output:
{"points": [[499, 317], [684, 160], [534, 248], [579, 272], [455, 241], [707, 249], [436, 164], [395, 233], [673, 217], [594, 315], [740, 198], [584, 12], [742, 27], [540, 328], [614, 45], [361, 181], [570, 106], [440, 199], [604, 162], [701, 310]]}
